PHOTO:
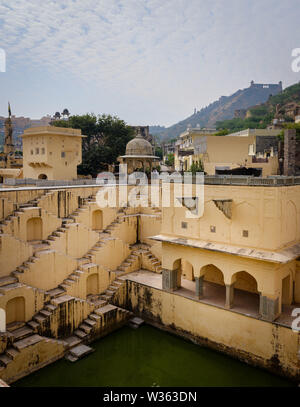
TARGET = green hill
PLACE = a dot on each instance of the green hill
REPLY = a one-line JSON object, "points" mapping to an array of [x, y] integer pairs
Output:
{"points": [[222, 109], [262, 115]]}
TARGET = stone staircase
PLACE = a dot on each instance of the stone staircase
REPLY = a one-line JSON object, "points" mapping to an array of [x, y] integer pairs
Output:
{"points": [[58, 298], [148, 260], [72, 218], [25, 266], [88, 327], [33, 203], [104, 313], [39, 321], [100, 322], [8, 283], [21, 336], [43, 246], [108, 295], [104, 317], [131, 263], [86, 262], [10, 218]]}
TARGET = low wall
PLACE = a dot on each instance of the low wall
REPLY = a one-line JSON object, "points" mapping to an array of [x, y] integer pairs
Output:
{"points": [[33, 358], [253, 341]]}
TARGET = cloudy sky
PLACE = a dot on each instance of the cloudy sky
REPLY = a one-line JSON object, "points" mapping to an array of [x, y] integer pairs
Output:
{"points": [[147, 61]]}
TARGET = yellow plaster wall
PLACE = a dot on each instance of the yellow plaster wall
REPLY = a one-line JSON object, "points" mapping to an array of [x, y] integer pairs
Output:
{"points": [[17, 226], [156, 249], [149, 226], [33, 358], [270, 214], [253, 340], [75, 241], [111, 254], [10, 245], [232, 152], [126, 230], [53, 141], [6, 207], [34, 299], [22, 196], [79, 287], [59, 203], [49, 270], [86, 217]]}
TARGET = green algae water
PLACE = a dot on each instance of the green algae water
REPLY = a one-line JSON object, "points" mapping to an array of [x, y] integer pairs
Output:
{"points": [[149, 357]]}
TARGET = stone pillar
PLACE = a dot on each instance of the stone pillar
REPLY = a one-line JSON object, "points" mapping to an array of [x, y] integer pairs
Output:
{"points": [[199, 286], [229, 295], [169, 280], [289, 163], [268, 308]]}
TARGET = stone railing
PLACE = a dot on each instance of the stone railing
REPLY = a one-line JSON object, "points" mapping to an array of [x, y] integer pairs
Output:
{"points": [[48, 183], [254, 181], [274, 180]]}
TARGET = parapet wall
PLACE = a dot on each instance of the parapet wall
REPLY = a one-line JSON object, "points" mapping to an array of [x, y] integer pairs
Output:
{"points": [[253, 341]]}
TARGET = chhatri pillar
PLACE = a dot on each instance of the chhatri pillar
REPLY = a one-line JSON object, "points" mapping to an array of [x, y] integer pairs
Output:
{"points": [[170, 279]]}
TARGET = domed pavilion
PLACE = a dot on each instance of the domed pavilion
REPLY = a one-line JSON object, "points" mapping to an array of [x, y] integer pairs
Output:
{"points": [[139, 155]]}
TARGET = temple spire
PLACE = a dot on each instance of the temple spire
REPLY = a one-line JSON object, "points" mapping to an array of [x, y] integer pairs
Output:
{"points": [[8, 138]]}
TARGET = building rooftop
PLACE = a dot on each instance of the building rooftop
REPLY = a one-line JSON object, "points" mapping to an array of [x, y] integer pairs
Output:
{"points": [[52, 130], [255, 132], [198, 130]]}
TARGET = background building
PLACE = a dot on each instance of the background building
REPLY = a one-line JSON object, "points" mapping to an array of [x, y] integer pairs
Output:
{"points": [[51, 153], [139, 155], [255, 149]]}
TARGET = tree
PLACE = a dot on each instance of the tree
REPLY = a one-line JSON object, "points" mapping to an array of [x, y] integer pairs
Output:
{"points": [[290, 126], [159, 152], [223, 132], [196, 166], [105, 139], [170, 160]]}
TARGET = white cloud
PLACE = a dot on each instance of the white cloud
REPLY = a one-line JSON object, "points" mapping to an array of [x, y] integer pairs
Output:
{"points": [[171, 55]]}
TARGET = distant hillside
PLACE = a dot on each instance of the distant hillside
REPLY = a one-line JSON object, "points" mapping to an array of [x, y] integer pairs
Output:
{"points": [[224, 108], [284, 105], [156, 129]]}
